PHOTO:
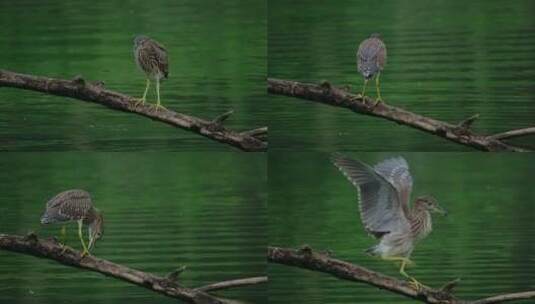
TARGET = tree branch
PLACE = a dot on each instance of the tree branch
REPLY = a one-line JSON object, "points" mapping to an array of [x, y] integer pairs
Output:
{"points": [[50, 249], [308, 259], [233, 283], [327, 94], [514, 133], [80, 89], [507, 298]]}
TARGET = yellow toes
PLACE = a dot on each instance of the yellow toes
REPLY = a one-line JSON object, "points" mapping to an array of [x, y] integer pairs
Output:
{"points": [[140, 101]]}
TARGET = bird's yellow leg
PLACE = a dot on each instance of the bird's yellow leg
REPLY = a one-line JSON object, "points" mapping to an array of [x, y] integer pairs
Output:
{"points": [[364, 88], [412, 281], [85, 252], [144, 98], [62, 238], [399, 259], [158, 105], [62, 235], [379, 99]]}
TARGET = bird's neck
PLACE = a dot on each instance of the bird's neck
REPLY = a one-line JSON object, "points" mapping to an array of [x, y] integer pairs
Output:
{"points": [[421, 225]]}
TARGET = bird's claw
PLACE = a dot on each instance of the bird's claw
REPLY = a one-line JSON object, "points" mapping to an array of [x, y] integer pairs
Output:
{"points": [[140, 101], [85, 253], [377, 102], [356, 98], [416, 285], [158, 107]]}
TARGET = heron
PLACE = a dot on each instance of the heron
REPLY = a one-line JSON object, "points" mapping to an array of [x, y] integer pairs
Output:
{"points": [[151, 58], [371, 59], [383, 194], [75, 205]]}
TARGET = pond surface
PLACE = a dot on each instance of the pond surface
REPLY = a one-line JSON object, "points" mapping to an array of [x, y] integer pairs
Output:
{"points": [[486, 240], [217, 59], [446, 59], [161, 210]]}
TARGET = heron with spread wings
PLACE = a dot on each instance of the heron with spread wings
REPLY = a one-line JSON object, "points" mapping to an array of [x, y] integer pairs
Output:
{"points": [[384, 194]]}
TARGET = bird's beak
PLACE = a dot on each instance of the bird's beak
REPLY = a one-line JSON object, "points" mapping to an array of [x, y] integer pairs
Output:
{"points": [[441, 211]]}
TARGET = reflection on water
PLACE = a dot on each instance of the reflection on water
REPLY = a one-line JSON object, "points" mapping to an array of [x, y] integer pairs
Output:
{"points": [[161, 210], [217, 56], [486, 240], [447, 60]]}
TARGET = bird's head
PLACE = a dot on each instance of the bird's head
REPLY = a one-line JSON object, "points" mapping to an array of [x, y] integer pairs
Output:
{"points": [[375, 35], [430, 204], [96, 229], [139, 39]]}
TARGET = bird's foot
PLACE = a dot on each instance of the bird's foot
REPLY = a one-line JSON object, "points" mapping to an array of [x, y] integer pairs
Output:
{"points": [[85, 252], [140, 101], [416, 285], [377, 102], [158, 107], [63, 248], [356, 98]]}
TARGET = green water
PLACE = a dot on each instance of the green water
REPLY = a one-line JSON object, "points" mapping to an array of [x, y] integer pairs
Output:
{"points": [[217, 55], [161, 210], [446, 60], [486, 240]]}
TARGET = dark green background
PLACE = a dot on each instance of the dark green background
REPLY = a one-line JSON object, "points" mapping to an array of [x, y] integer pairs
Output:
{"points": [[217, 61], [486, 240], [446, 59], [161, 210]]}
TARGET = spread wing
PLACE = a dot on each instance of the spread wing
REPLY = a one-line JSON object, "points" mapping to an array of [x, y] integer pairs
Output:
{"points": [[396, 172], [380, 209]]}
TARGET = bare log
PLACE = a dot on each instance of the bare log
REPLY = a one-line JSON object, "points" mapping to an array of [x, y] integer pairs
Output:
{"points": [[308, 259], [80, 89], [327, 94], [51, 249]]}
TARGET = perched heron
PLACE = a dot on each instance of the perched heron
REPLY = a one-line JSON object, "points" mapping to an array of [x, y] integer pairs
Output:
{"points": [[75, 205], [151, 58], [384, 194], [371, 59]]}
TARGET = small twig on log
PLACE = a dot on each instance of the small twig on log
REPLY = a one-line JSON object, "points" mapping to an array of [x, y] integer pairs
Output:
{"points": [[514, 133], [233, 283], [467, 123], [78, 88], [258, 133], [308, 259], [448, 287], [328, 94], [51, 249], [221, 118], [173, 275]]}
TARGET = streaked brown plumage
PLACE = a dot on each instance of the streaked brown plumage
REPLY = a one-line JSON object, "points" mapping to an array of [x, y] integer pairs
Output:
{"points": [[384, 195], [75, 205], [371, 60], [151, 58]]}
